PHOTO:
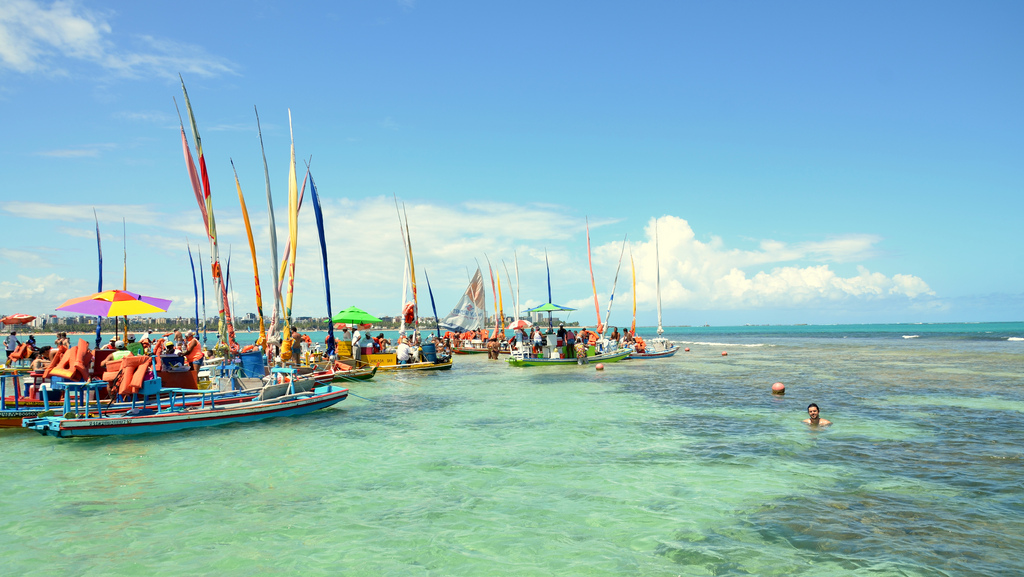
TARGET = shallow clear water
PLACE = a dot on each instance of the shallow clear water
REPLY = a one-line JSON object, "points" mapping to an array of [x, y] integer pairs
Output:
{"points": [[681, 466]]}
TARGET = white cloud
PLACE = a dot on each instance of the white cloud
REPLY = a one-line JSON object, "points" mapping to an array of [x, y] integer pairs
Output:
{"points": [[700, 275], [366, 258], [35, 38]]}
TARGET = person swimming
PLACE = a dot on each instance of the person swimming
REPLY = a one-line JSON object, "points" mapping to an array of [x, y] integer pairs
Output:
{"points": [[815, 419]]}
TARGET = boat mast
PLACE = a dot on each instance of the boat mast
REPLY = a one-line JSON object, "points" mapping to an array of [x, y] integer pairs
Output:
{"points": [[632, 265], [252, 251], [611, 297], [99, 285], [657, 275], [273, 235], [590, 259]]}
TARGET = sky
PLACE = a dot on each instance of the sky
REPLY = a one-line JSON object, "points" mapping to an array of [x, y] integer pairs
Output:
{"points": [[802, 162]]}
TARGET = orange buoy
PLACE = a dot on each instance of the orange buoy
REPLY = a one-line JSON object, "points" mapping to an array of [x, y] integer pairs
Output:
{"points": [[600, 366], [778, 389], [687, 349], [725, 354]]}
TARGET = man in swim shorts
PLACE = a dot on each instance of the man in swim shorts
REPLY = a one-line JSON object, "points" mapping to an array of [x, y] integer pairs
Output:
{"points": [[815, 420]]}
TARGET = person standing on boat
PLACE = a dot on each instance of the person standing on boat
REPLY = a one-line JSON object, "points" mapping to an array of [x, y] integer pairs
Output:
{"points": [[538, 341], [192, 351], [356, 353], [11, 342]]}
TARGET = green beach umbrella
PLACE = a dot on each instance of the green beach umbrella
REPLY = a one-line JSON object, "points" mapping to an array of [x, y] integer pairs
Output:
{"points": [[549, 308], [354, 316]]}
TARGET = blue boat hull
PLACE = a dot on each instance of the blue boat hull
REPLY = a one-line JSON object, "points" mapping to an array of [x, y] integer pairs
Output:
{"points": [[179, 420]]}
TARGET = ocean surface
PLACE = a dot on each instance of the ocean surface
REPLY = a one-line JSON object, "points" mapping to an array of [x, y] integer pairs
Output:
{"points": [[680, 466]]}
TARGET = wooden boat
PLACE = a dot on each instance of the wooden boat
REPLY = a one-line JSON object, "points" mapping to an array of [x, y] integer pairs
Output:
{"points": [[518, 360], [477, 347], [657, 348], [334, 375], [388, 363], [148, 421], [24, 407]]}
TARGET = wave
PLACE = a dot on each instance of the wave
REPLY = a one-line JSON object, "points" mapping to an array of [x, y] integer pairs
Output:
{"points": [[911, 336], [709, 344], [1015, 339]]}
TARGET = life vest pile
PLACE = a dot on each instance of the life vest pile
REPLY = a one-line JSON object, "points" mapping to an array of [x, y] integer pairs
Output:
{"points": [[72, 364], [23, 351], [112, 368], [133, 372], [409, 313], [639, 344]]}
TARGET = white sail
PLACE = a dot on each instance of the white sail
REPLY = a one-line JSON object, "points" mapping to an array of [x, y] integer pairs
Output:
{"points": [[470, 312]]}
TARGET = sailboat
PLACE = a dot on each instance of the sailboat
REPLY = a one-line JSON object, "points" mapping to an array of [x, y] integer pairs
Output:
{"points": [[467, 318], [658, 347], [551, 353], [388, 361]]}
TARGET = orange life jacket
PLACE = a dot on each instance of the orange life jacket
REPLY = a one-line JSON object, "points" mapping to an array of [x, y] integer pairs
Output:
{"points": [[194, 352], [23, 351], [72, 364]]}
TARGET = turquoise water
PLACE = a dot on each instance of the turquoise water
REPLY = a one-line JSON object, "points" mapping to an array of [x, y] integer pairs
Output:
{"points": [[682, 466]]}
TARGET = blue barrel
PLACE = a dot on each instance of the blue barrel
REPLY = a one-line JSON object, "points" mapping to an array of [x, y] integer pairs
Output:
{"points": [[430, 353], [252, 364]]}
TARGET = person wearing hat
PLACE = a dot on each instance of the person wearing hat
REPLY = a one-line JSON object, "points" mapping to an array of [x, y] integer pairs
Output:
{"points": [[111, 344], [120, 351], [404, 352], [192, 352]]}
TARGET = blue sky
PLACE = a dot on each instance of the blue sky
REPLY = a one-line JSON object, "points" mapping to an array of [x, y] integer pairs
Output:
{"points": [[807, 162]]}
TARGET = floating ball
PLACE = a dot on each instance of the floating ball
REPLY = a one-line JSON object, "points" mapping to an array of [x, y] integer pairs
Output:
{"points": [[687, 349], [600, 366], [725, 354], [778, 389]]}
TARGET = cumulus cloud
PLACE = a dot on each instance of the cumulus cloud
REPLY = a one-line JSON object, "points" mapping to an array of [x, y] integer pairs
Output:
{"points": [[35, 38], [696, 274], [367, 258]]}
